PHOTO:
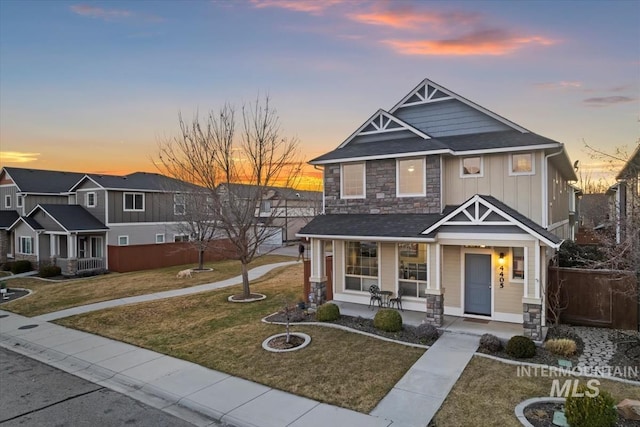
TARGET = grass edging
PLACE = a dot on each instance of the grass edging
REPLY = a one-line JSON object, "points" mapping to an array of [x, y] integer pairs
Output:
{"points": [[571, 372], [345, 328]]}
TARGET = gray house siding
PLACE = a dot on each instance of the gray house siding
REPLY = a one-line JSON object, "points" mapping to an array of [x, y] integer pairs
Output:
{"points": [[99, 210], [46, 221], [31, 201], [44, 248], [158, 207], [8, 191], [446, 118], [381, 190], [386, 136]]}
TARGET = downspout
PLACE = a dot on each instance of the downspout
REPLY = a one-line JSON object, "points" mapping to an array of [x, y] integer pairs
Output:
{"points": [[321, 169], [545, 187]]}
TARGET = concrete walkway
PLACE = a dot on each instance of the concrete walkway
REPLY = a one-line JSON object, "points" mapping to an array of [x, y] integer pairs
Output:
{"points": [[418, 395], [254, 273], [196, 394]]}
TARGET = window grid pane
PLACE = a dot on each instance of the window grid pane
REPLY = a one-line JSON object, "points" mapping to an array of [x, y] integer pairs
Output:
{"points": [[521, 163]]}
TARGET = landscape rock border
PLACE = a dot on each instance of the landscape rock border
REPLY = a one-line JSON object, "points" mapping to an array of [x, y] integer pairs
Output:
{"points": [[305, 337], [520, 407], [259, 298]]}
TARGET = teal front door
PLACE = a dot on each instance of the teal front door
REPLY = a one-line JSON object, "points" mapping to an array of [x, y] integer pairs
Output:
{"points": [[477, 284]]}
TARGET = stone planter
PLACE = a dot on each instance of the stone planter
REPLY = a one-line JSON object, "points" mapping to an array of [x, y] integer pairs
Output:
{"points": [[254, 297], [305, 337], [523, 405]]}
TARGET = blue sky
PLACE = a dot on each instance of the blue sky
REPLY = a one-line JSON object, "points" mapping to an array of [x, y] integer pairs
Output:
{"points": [[93, 86]]}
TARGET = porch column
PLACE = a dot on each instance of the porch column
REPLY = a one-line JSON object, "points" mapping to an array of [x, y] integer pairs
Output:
{"points": [[318, 278], [72, 258], [435, 307], [53, 255], [532, 318]]}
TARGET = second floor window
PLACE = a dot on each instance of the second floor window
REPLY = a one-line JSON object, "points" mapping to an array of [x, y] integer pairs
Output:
{"points": [[265, 207], [90, 199], [353, 181], [7, 201], [471, 167], [522, 164], [19, 201], [133, 201], [410, 176], [179, 204]]}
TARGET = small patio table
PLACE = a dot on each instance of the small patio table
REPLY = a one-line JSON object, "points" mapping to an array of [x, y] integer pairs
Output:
{"points": [[385, 296]]}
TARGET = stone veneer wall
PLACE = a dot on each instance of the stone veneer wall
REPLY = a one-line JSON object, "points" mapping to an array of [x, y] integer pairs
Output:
{"points": [[381, 190], [319, 291], [4, 246], [435, 310], [532, 324]]}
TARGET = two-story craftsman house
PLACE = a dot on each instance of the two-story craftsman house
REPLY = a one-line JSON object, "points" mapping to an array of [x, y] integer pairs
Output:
{"points": [[452, 205]]}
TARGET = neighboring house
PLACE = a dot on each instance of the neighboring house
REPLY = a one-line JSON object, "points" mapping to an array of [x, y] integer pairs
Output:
{"points": [[624, 198], [284, 209], [594, 210], [80, 221], [453, 205]]}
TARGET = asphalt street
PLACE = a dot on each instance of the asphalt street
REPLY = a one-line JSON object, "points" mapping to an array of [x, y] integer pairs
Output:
{"points": [[35, 394]]}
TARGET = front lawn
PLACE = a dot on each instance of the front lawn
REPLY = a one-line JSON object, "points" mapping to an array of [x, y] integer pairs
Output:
{"points": [[488, 391], [49, 296], [338, 367]]}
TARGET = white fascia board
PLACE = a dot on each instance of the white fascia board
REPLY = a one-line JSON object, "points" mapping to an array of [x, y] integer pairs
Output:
{"points": [[464, 101], [21, 219], [98, 230], [484, 236], [452, 214], [50, 216], [73, 189], [138, 190], [12, 180], [367, 238], [406, 126]]}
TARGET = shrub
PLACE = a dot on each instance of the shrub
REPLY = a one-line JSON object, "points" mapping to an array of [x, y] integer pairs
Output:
{"points": [[521, 347], [588, 411], [388, 320], [327, 312], [562, 346], [426, 332], [7, 266], [21, 266], [490, 343], [50, 271]]}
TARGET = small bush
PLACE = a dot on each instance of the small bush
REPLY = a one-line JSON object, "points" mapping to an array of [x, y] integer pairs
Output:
{"points": [[21, 266], [7, 266], [388, 320], [327, 312], [585, 411], [426, 332], [520, 347], [490, 343], [562, 346], [50, 271]]}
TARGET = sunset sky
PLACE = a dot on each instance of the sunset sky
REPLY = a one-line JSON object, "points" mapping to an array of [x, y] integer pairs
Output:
{"points": [[93, 86]]}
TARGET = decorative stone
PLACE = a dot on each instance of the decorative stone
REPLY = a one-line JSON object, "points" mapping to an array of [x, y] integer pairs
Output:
{"points": [[629, 409]]}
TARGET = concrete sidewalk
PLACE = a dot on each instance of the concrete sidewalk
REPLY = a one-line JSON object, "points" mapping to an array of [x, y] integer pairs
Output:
{"points": [[254, 273], [189, 391], [416, 398]]}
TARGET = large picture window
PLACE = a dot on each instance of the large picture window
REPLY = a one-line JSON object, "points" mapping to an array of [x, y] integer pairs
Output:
{"points": [[412, 269], [410, 177], [353, 181], [25, 245], [361, 265]]}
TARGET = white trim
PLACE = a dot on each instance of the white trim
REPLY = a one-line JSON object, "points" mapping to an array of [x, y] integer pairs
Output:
{"points": [[441, 173], [8, 201], [19, 201], [536, 257], [364, 181], [128, 224], [467, 153], [480, 251], [512, 264], [163, 238], [461, 99], [533, 165], [86, 199], [558, 224], [106, 209], [134, 194], [471, 175], [20, 248], [526, 272], [181, 235], [416, 239], [438, 272], [423, 178], [381, 126], [126, 238]]}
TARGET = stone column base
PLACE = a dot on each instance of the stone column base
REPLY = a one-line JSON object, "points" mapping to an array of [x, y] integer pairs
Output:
{"points": [[435, 310], [72, 267], [532, 323], [319, 293]]}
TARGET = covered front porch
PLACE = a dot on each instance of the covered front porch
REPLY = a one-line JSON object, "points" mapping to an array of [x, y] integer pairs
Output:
{"points": [[454, 324], [78, 253]]}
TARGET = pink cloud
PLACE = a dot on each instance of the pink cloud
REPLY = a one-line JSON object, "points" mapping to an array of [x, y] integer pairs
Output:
{"points": [[559, 85], [487, 42], [308, 6], [409, 18], [98, 12]]}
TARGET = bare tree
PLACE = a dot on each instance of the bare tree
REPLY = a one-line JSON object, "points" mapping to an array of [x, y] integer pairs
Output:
{"points": [[238, 170]]}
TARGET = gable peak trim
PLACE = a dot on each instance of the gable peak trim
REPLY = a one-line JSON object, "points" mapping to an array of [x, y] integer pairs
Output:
{"points": [[383, 122]]}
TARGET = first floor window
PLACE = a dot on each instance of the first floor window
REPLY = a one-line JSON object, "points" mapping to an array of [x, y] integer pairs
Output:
{"points": [[25, 245], [123, 240], [96, 247], [159, 238], [517, 264], [412, 269], [361, 265], [133, 201]]}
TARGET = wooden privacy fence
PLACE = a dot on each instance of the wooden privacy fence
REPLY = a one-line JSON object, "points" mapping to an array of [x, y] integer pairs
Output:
{"points": [[307, 273], [123, 259], [601, 298]]}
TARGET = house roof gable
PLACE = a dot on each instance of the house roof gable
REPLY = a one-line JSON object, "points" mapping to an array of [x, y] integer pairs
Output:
{"points": [[7, 218], [382, 122], [42, 181], [71, 217]]}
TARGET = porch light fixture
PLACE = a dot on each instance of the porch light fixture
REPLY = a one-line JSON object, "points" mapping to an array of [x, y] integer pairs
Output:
{"points": [[411, 168], [501, 261]]}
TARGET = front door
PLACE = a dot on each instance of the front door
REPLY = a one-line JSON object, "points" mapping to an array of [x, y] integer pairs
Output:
{"points": [[477, 284]]}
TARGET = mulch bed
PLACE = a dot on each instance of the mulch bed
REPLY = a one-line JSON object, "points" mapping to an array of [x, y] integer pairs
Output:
{"points": [[541, 415], [280, 343], [13, 294], [407, 334]]}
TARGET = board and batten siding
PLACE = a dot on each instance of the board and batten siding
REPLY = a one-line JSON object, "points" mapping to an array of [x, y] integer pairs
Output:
{"points": [[8, 190], [31, 201], [559, 194], [99, 210], [158, 207], [451, 279], [522, 192], [507, 299], [447, 118], [388, 271]]}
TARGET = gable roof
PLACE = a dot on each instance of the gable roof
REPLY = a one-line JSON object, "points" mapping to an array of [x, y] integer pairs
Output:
{"points": [[383, 122], [42, 181], [31, 223], [71, 217], [7, 218], [428, 91], [288, 193], [138, 181], [632, 167]]}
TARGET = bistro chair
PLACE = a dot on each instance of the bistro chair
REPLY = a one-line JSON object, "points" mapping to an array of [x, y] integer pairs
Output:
{"points": [[397, 301], [375, 296]]}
